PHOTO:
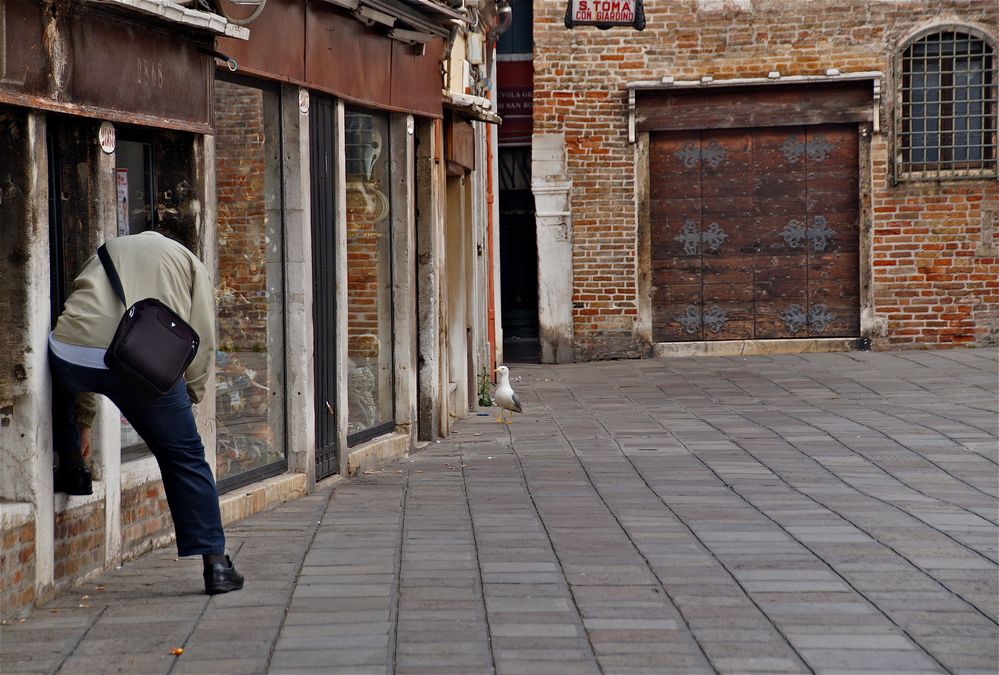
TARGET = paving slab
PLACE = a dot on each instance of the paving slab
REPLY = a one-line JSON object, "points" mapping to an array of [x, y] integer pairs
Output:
{"points": [[787, 513]]}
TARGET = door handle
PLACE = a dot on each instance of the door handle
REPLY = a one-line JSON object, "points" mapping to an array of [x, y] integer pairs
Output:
{"points": [[329, 408]]}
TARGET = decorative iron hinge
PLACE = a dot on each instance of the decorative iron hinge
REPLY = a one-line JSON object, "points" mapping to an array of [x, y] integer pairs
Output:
{"points": [[795, 319], [692, 238], [816, 149], [819, 234], [711, 154], [694, 318]]}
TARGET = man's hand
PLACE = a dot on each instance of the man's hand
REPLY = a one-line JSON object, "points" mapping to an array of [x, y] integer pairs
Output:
{"points": [[85, 445]]}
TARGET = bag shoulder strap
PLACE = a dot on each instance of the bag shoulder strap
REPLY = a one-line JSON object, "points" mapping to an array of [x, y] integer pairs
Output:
{"points": [[112, 273]]}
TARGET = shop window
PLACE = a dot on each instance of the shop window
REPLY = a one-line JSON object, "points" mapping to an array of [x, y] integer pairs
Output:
{"points": [[249, 365], [134, 214], [134, 185], [370, 393], [946, 120]]}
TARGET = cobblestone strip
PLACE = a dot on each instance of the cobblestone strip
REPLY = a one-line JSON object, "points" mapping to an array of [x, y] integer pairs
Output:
{"points": [[442, 625], [841, 542], [83, 636], [43, 643], [771, 397], [849, 429], [341, 618], [979, 535], [185, 644], [149, 612], [478, 561], [971, 526], [239, 631], [156, 604], [831, 624], [917, 467], [730, 470], [535, 619], [726, 624], [631, 621]]}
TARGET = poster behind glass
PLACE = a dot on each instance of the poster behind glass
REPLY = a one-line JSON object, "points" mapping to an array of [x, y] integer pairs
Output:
{"points": [[249, 363], [134, 214], [370, 395]]}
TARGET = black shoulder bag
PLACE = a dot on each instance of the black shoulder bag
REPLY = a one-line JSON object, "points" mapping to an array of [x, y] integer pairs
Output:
{"points": [[152, 346]]}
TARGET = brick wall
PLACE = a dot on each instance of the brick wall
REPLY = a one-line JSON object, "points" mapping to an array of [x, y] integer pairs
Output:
{"points": [[17, 569], [363, 243], [931, 231], [145, 519], [935, 267], [79, 542]]}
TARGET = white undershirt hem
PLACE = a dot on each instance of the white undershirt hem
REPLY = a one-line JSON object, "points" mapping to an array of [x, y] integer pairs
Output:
{"points": [[90, 357]]}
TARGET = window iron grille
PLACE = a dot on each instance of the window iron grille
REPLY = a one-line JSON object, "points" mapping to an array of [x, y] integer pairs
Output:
{"points": [[946, 115]]}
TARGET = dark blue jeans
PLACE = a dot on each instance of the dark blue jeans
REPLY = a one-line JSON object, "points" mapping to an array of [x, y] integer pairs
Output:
{"points": [[167, 426]]}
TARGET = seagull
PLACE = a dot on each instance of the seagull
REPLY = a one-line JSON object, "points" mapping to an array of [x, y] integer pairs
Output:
{"points": [[505, 397]]}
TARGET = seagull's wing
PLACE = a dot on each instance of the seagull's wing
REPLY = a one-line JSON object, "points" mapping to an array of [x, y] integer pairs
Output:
{"points": [[516, 403]]}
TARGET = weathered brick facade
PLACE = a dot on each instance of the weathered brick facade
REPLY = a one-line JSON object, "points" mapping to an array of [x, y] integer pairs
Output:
{"points": [[934, 266], [17, 567], [145, 519], [79, 542]]}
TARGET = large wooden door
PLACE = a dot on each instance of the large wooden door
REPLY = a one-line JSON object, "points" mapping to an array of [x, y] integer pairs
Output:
{"points": [[754, 233]]}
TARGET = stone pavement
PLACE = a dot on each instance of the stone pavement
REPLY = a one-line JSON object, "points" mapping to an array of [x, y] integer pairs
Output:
{"points": [[816, 513]]}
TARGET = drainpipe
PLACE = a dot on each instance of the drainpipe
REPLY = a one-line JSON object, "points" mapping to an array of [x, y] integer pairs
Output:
{"points": [[491, 330]]}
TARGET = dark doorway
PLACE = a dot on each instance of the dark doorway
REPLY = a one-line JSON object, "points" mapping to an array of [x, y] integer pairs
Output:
{"points": [[322, 134], [518, 257]]}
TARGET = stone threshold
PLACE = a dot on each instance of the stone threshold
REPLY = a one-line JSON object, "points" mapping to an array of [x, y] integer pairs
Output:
{"points": [[257, 497], [668, 350], [378, 452]]}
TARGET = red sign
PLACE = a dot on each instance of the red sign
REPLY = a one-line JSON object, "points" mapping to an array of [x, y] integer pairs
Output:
{"points": [[515, 99]]}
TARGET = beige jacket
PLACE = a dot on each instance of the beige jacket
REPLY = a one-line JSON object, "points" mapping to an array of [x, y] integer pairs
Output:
{"points": [[150, 266]]}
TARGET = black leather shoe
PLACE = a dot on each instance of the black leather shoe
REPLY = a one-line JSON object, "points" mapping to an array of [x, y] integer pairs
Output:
{"points": [[221, 578], [75, 481]]}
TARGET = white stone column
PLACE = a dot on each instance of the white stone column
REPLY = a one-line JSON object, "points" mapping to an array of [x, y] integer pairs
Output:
{"points": [[455, 309], [429, 242], [300, 406], [27, 440], [207, 224], [552, 188], [479, 252], [403, 209], [106, 433]]}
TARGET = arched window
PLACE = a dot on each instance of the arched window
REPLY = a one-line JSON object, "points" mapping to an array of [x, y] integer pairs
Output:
{"points": [[946, 120]]}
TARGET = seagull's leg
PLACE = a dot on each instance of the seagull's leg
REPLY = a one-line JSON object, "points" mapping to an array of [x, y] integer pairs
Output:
{"points": [[498, 420]]}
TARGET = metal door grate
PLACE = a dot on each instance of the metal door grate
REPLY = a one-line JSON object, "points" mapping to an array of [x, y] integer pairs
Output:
{"points": [[946, 120], [322, 137]]}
